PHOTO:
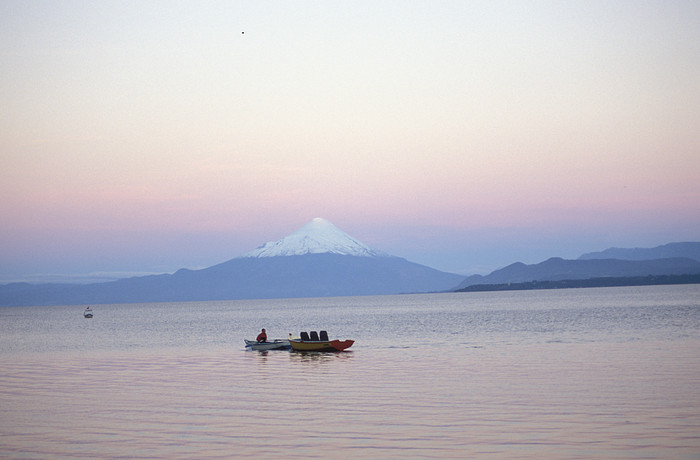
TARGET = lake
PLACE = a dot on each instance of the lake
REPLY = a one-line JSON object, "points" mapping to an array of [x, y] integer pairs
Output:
{"points": [[575, 373]]}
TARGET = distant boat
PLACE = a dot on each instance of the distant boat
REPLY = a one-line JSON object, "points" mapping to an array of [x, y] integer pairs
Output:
{"points": [[277, 344], [315, 343], [87, 313]]}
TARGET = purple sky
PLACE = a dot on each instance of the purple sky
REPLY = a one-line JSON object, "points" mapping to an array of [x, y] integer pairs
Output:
{"points": [[143, 137]]}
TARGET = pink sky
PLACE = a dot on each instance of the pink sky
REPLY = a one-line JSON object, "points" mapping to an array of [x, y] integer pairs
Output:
{"points": [[141, 138]]}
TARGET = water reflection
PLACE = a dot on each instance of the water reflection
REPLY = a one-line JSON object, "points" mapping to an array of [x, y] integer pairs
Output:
{"points": [[278, 357], [317, 357], [263, 355], [260, 355]]}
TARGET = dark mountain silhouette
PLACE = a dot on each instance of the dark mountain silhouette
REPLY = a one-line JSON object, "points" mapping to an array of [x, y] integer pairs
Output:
{"points": [[557, 269], [690, 250], [649, 280], [316, 261], [319, 260]]}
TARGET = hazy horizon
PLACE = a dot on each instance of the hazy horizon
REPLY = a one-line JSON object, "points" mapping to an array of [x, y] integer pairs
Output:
{"points": [[146, 137]]}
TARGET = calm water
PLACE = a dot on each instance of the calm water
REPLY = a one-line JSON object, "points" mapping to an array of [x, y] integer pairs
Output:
{"points": [[581, 373]]}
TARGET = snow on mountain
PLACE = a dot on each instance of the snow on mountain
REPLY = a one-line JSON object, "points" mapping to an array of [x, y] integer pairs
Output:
{"points": [[317, 237]]}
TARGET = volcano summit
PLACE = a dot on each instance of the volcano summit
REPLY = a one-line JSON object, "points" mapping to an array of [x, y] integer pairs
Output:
{"points": [[317, 237]]}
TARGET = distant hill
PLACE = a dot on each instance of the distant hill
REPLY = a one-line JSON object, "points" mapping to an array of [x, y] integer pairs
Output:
{"points": [[587, 283], [318, 260], [557, 269], [690, 250]]}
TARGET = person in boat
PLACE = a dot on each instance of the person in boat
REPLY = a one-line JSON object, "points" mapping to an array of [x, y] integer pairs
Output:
{"points": [[262, 337]]}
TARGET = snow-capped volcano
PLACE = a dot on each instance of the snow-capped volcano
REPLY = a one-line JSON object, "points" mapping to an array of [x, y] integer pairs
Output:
{"points": [[317, 237], [323, 262]]}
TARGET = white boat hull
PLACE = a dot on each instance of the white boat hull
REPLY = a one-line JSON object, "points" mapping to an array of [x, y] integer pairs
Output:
{"points": [[277, 344]]}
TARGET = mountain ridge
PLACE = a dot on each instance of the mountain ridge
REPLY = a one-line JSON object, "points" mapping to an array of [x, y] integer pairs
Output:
{"points": [[309, 275], [689, 249], [558, 269], [318, 260]]}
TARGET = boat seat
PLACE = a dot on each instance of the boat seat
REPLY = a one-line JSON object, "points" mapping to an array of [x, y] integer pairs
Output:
{"points": [[304, 336], [324, 336], [314, 336]]}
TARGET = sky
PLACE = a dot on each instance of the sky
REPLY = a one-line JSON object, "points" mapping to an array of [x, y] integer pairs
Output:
{"points": [[143, 137]]}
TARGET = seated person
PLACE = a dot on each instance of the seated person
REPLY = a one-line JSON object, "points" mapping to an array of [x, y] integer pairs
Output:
{"points": [[262, 337]]}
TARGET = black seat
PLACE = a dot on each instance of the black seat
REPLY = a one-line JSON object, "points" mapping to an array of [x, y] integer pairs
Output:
{"points": [[304, 336], [324, 336], [314, 336]]}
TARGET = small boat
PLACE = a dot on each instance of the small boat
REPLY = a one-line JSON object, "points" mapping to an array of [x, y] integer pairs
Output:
{"points": [[277, 344], [313, 342], [87, 313]]}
